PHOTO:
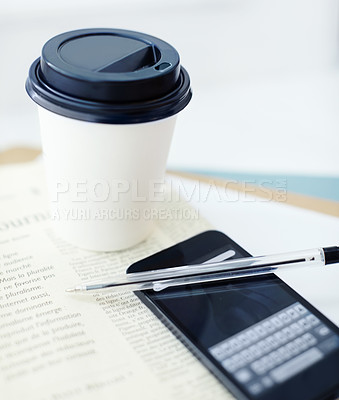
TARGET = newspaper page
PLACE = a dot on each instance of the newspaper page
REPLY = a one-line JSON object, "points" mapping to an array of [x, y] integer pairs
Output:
{"points": [[59, 346]]}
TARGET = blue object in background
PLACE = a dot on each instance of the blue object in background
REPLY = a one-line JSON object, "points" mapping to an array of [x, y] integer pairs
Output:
{"points": [[323, 187]]}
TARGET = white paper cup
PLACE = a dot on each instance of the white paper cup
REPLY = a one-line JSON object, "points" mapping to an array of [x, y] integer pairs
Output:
{"points": [[104, 180], [108, 101]]}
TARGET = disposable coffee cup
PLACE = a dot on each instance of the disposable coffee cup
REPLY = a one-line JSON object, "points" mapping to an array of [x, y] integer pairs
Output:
{"points": [[108, 101]]}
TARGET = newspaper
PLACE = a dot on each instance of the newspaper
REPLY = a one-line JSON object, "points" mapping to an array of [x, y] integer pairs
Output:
{"points": [[58, 346]]}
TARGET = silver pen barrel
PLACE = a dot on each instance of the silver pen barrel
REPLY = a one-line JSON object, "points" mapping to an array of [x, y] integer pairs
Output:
{"points": [[200, 273]]}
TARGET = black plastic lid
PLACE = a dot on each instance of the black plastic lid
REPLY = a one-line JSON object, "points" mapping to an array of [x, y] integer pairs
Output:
{"points": [[109, 76]]}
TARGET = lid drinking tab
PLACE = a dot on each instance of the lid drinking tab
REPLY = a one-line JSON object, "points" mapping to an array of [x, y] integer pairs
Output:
{"points": [[103, 53]]}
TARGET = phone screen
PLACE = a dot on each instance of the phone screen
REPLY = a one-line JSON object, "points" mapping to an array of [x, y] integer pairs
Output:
{"points": [[256, 334]]}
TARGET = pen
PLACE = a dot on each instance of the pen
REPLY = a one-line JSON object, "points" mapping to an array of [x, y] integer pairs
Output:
{"points": [[214, 271]]}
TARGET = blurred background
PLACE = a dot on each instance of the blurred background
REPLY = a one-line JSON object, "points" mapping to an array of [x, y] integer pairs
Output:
{"points": [[265, 79]]}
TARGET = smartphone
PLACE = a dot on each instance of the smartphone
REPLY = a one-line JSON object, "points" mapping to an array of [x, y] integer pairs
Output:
{"points": [[258, 336]]}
